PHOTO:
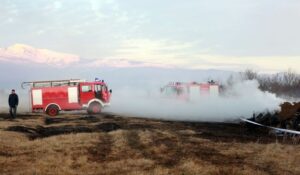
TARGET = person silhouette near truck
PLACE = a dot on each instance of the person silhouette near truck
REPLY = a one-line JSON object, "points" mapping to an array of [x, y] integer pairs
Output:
{"points": [[13, 101]]}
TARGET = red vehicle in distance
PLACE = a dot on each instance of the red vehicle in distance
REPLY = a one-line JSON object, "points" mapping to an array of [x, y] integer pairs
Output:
{"points": [[190, 91], [54, 96]]}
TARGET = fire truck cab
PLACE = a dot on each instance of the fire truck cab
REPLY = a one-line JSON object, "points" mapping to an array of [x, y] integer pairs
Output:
{"points": [[67, 95]]}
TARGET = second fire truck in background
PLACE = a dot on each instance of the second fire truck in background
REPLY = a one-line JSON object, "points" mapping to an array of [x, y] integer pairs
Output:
{"points": [[190, 91]]}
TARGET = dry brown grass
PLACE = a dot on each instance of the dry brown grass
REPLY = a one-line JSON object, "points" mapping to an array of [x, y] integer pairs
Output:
{"points": [[141, 146]]}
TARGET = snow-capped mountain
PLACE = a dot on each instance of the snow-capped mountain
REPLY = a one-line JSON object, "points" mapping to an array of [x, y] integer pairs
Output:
{"points": [[21, 53]]}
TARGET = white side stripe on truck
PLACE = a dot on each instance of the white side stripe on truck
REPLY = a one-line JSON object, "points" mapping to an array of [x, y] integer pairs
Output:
{"points": [[73, 94], [37, 98]]}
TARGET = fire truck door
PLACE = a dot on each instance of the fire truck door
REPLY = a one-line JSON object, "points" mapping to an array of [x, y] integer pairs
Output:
{"points": [[105, 93], [101, 92], [98, 91], [86, 94]]}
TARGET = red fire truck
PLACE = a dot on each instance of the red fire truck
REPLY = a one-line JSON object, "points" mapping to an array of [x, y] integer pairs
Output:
{"points": [[67, 95], [190, 91]]}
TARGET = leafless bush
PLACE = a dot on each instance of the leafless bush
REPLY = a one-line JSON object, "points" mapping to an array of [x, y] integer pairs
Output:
{"points": [[249, 74], [282, 84]]}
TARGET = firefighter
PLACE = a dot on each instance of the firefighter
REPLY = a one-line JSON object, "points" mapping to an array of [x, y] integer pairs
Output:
{"points": [[13, 101]]}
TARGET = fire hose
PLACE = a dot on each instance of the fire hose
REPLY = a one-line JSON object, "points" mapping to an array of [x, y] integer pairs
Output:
{"points": [[270, 127]]}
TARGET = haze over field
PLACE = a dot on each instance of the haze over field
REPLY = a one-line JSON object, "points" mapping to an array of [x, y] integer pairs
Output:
{"points": [[136, 91]]}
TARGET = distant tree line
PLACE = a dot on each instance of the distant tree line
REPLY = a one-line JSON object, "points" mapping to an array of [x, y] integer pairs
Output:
{"points": [[285, 84]]}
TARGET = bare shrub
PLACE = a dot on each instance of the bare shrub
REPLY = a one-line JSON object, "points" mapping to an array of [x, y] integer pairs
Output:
{"points": [[249, 74], [285, 84]]}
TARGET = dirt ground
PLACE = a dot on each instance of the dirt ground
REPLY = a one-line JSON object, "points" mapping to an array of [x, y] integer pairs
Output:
{"points": [[111, 144]]}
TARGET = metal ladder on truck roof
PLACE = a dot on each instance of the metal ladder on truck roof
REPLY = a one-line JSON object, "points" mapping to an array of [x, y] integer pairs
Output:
{"points": [[52, 83]]}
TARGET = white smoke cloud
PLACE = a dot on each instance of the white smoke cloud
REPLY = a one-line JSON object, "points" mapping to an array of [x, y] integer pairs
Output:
{"points": [[241, 100]]}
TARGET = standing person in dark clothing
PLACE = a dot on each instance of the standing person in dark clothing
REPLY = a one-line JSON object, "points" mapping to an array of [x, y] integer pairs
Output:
{"points": [[13, 101]]}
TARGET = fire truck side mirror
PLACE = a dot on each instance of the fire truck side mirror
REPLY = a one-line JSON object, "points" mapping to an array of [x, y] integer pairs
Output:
{"points": [[110, 91]]}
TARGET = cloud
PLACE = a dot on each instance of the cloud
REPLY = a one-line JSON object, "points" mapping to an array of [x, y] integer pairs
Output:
{"points": [[191, 55], [109, 9], [154, 50], [152, 53], [9, 13], [123, 63], [96, 8], [259, 63], [57, 5]]}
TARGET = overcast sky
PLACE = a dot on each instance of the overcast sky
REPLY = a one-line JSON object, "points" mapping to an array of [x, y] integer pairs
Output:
{"points": [[221, 34]]}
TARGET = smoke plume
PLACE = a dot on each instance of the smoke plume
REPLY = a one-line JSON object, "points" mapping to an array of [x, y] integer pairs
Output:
{"points": [[242, 99]]}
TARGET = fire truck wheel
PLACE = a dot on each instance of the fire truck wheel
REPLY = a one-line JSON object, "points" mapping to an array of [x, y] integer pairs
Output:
{"points": [[52, 110], [94, 108]]}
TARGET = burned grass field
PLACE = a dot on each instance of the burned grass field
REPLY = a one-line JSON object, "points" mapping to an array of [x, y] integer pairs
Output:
{"points": [[111, 144]]}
